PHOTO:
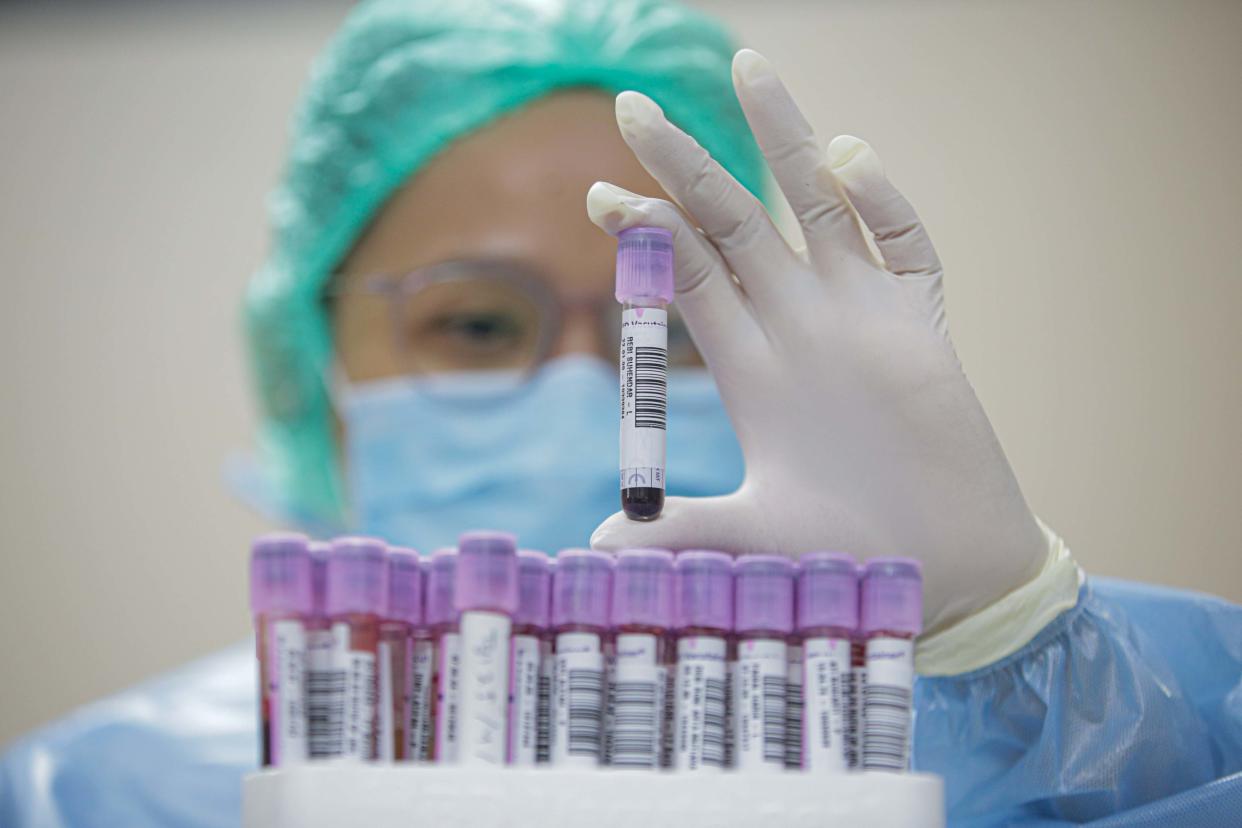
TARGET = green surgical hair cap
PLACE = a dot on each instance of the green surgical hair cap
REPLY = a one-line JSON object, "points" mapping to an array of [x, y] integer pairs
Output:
{"points": [[401, 80]]}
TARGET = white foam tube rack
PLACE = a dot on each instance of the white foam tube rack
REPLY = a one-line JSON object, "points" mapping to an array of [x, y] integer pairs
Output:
{"points": [[396, 796]]}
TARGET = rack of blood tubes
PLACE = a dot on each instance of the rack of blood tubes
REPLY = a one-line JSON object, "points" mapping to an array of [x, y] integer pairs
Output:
{"points": [[481, 655]]}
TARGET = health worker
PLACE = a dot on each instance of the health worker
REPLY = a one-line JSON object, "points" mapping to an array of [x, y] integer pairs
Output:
{"points": [[433, 342]]}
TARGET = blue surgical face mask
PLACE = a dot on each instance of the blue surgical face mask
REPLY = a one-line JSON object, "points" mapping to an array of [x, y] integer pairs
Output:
{"points": [[428, 459]]}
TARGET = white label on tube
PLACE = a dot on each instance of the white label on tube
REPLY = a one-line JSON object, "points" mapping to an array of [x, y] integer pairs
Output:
{"points": [[759, 705], [484, 688], [420, 667], [524, 700], [887, 704], [325, 696], [700, 700], [577, 700], [825, 704], [637, 690], [448, 697], [385, 726], [644, 396], [793, 709], [358, 701], [286, 674]]}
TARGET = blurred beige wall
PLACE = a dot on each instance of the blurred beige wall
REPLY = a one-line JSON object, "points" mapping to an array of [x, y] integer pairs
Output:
{"points": [[1076, 164]]}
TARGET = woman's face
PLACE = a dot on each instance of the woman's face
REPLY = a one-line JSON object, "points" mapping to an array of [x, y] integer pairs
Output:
{"points": [[495, 233]]}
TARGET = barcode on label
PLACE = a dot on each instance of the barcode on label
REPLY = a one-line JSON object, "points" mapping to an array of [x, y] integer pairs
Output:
{"points": [[714, 716], [586, 711], [650, 387], [886, 727], [636, 725], [543, 722], [774, 718], [325, 712], [793, 724]]}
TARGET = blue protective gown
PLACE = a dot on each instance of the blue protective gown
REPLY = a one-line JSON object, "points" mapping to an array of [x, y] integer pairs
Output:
{"points": [[1126, 709]]}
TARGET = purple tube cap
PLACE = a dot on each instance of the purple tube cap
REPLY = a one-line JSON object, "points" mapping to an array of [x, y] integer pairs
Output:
{"points": [[319, 574], [828, 591], [487, 576], [439, 576], [645, 264], [581, 587], [642, 588], [281, 577], [357, 577], [892, 596], [534, 589], [405, 586], [703, 590], [763, 589]]}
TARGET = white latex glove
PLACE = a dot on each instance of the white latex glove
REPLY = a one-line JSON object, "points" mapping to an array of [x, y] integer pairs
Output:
{"points": [[859, 428]]}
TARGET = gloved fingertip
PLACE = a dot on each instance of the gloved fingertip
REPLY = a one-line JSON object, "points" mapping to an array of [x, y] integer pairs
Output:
{"points": [[636, 112], [606, 536], [751, 68], [610, 208], [851, 157]]}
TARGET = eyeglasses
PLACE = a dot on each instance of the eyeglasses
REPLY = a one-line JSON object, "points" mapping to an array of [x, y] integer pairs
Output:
{"points": [[486, 315]]}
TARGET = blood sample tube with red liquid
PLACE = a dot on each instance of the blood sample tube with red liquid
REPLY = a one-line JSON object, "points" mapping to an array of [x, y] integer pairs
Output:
{"points": [[486, 595], [763, 621], [319, 709], [396, 628], [281, 600], [827, 624], [441, 617], [356, 599], [644, 289], [642, 658], [581, 586], [703, 597], [892, 616], [530, 647], [419, 681]]}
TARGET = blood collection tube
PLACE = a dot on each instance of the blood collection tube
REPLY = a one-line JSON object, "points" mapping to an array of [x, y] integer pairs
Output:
{"points": [[763, 608], [793, 691], [703, 596], [441, 617], [892, 615], [639, 686], [827, 621], [280, 600], [404, 614], [419, 681], [531, 647], [486, 595], [547, 674], [644, 289], [319, 698], [356, 598], [580, 592]]}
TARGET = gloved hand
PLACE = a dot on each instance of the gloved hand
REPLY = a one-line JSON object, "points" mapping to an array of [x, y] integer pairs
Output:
{"points": [[859, 428]]}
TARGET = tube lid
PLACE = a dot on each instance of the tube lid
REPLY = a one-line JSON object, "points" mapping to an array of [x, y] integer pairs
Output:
{"points": [[357, 577], [703, 589], [534, 588], [645, 264], [763, 589], [828, 591], [581, 582], [439, 578], [280, 574], [405, 586], [642, 588], [892, 596], [487, 576], [319, 575]]}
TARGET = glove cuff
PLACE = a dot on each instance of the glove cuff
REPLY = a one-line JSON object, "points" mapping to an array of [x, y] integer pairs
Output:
{"points": [[1008, 624]]}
